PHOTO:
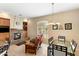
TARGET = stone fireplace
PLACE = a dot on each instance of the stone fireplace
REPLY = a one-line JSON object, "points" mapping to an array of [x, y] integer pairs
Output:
{"points": [[16, 36]]}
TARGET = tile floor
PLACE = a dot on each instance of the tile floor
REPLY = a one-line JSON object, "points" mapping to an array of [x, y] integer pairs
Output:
{"points": [[15, 50]]}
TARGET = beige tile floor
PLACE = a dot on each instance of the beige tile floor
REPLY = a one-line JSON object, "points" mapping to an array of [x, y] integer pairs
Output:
{"points": [[15, 50], [77, 52]]}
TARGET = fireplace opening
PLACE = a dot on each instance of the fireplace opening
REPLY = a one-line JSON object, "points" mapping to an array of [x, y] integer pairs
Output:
{"points": [[17, 36]]}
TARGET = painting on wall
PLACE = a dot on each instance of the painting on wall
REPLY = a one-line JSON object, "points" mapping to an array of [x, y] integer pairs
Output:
{"points": [[55, 27], [68, 26]]}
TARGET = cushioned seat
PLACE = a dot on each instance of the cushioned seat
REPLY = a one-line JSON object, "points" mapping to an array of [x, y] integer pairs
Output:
{"points": [[33, 45]]}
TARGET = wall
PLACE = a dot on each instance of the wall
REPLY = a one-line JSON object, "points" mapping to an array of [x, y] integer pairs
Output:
{"points": [[62, 18], [4, 15], [19, 21], [31, 28], [13, 20]]}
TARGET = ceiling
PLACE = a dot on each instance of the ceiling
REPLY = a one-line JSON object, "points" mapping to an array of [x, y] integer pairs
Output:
{"points": [[60, 7], [35, 9]]}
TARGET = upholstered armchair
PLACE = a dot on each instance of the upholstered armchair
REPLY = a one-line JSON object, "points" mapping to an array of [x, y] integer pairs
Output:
{"points": [[39, 37], [33, 45]]}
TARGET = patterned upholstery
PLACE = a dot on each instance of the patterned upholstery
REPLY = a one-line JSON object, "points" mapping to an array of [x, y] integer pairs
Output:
{"points": [[33, 47]]}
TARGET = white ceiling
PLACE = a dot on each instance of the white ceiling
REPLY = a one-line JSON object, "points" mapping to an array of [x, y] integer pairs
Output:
{"points": [[35, 9], [60, 7]]}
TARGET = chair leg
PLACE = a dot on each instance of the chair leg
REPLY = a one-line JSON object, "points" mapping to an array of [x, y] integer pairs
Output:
{"points": [[6, 54], [73, 54], [70, 54], [35, 52]]}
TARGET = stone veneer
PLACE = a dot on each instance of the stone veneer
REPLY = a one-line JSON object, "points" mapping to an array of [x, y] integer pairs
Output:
{"points": [[12, 31]]}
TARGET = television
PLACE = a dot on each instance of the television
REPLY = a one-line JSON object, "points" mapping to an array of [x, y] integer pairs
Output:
{"points": [[4, 29]]}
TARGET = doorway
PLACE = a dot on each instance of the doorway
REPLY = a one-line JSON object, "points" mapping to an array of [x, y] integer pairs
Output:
{"points": [[42, 29]]}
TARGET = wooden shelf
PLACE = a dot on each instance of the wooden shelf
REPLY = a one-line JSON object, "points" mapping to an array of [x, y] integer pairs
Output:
{"points": [[4, 24]]}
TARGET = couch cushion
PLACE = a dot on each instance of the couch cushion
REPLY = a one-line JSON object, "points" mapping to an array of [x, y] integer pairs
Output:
{"points": [[32, 40]]}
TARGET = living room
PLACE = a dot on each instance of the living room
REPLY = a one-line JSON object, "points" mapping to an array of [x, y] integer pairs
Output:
{"points": [[30, 25]]}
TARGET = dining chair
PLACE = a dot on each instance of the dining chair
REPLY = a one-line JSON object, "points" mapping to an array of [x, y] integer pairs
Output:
{"points": [[50, 40], [73, 46], [49, 49], [61, 38], [59, 50]]}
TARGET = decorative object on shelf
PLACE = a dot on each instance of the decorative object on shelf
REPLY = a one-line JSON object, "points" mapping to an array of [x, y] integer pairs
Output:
{"points": [[25, 26], [55, 26], [68, 26]]}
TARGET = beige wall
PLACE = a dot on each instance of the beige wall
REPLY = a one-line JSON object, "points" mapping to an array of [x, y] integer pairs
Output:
{"points": [[4, 15], [31, 28], [62, 18]]}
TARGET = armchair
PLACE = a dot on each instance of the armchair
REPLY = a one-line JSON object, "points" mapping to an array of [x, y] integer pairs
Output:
{"points": [[33, 45]]}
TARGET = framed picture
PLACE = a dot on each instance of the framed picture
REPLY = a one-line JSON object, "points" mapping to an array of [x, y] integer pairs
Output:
{"points": [[68, 26], [55, 27]]}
